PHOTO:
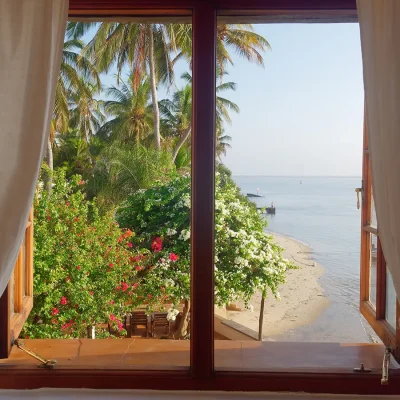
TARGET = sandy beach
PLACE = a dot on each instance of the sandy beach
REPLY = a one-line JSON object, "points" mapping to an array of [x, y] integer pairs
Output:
{"points": [[302, 297]]}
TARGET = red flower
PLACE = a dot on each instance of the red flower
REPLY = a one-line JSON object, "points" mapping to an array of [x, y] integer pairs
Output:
{"points": [[173, 257], [112, 302], [111, 265], [156, 245], [129, 233], [150, 296], [76, 219], [138, 268], [129, 244], [135, 285], [81, 182], [55, 311], [78, 268], [120, 326], [112, 317], [91, 293], [124, 286], [67, 279], [63, 301]]}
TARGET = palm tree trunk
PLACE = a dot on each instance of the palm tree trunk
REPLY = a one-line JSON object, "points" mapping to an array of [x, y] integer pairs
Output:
{"points": [[182, 140], [156, 111], [50, 163]]}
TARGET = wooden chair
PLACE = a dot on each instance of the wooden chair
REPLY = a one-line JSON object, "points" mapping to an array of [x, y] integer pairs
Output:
{"points": [[139, 318], [160, 319]]}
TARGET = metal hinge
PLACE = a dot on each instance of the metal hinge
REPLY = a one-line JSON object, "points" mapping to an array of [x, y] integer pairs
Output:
{"points": [[358, 191], [385, 366], [44, 362]]}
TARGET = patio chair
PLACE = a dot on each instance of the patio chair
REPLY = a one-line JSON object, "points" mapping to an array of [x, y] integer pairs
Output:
{"points": [[139, 318], [160, 319]]}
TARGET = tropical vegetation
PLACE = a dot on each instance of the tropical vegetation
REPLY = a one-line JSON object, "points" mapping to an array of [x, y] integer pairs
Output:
{"points": [[112, 207]]}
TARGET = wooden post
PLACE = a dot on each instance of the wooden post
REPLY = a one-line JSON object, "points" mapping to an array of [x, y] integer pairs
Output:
{"points": [[261, 318]]}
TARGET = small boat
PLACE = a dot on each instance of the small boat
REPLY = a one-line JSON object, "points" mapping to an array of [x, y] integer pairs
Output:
{"points": [[253, 195]]}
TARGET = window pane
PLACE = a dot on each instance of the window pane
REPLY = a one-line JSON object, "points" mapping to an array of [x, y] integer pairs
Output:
{"points": [[391, 301], [23, 251], [374, 249], [374, 222], [112, 244]]}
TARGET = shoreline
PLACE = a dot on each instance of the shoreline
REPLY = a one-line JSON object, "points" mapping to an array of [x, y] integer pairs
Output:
{"points": [[302, 296]]}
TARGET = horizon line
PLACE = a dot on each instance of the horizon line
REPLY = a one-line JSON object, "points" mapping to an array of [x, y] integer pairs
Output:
{"points": [[300, 176]]}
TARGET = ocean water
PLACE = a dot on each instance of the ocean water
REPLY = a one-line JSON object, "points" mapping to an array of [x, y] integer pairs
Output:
{"points": [[322, 213]]}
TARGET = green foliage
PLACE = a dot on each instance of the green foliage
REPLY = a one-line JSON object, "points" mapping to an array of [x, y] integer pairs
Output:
{"points": [[246, 259], [83, 272]]}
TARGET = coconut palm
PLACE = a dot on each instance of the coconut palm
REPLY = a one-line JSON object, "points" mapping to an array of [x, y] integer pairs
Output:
{"points": [[131, 110], [222, 144], [145, 48], [74, 71], [178, 111]]}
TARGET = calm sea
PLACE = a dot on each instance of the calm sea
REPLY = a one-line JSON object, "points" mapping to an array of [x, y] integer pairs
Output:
{"points": [[322, 213]]}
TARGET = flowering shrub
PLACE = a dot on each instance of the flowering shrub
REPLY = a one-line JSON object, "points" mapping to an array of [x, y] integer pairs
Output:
{"points": [[83, 268], [246, 259]]}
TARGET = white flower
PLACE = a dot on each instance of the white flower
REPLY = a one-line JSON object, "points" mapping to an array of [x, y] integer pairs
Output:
{"points": [[185, 235], [171, 232], [250, 308], [172, 313]]}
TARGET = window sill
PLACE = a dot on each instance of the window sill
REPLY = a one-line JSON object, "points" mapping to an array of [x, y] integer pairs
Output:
{"points": [[164, 364]]}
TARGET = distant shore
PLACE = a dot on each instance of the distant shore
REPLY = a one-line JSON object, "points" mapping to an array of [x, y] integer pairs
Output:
{"points": [[302, 297]]}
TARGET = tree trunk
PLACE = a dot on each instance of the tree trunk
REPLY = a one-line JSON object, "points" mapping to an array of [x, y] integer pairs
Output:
{"points": [[182, 330], [156, 111], [51, 166], [182, 140], [261, 319]]}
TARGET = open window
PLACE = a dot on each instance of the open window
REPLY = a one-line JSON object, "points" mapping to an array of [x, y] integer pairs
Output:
{"points": [[17, 300], [378, 302], [311, 367]]}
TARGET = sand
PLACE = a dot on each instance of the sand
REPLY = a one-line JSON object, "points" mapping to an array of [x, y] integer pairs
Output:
{"points": [[302, 297]]}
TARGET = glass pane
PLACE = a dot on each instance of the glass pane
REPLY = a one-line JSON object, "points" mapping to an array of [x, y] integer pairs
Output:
{"points": [[11, 291], [374, 222], [23, 251], [112, 246], [374, 249], [391, 301], [284, 180]]}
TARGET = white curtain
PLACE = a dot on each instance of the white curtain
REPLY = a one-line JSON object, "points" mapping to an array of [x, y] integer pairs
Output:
{"points": [[31, 42], [380, 41]]}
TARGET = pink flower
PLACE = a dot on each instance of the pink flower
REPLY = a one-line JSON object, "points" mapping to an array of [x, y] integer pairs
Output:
{"points": [[156, 244], [120, 326], [55, 311], [63, 301], [138, 268], [112, 302], [129, 244], [112, 317], [135, 285], [173, 257]]}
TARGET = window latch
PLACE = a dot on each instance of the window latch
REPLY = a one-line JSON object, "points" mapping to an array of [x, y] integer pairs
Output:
{"points": [[44, 362], [385, 366], [358, 191]]}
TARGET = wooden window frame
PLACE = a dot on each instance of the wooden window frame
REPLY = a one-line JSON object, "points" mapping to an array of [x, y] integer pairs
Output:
{"points": [[11, 324], [202, 374], [374, 314]]}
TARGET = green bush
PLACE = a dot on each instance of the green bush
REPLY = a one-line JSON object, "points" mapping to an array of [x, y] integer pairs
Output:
{"points": [[246, 259], [83, 265]]}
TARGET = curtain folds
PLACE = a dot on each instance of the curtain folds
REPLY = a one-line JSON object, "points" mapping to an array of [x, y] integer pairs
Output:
{"points": [[380, 33], [32, 36]]}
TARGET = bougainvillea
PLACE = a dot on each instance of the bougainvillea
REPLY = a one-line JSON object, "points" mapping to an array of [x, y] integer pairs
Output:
{"points": [[83, 269], [246, 259]]}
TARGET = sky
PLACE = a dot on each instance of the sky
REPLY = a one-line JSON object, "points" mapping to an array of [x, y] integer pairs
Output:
{"points": [[301, 115]]}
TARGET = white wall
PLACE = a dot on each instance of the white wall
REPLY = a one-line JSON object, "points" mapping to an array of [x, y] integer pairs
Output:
{"points": [[76, 394]]}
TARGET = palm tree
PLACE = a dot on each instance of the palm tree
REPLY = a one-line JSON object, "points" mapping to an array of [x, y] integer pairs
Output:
{"points": [[178, 111], [146, 48], [222, 144], [131, 110], [86, 112], [74, 71]]}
